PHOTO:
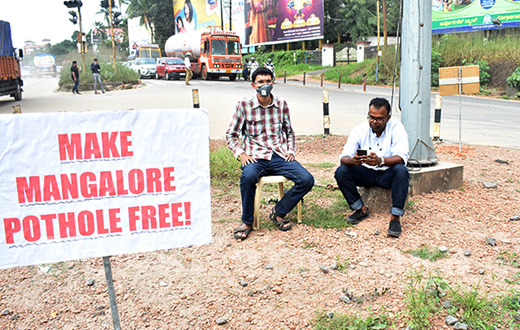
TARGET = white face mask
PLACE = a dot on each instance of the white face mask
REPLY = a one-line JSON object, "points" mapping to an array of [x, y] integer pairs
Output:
{"points": [[265, 90]]}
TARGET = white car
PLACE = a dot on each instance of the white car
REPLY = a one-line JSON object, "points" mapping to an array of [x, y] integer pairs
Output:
{"points": [[26, 71], [145, 67]]}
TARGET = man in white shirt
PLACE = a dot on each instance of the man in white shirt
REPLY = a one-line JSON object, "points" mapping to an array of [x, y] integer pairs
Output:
{"points": [[187, 64], [375, 154]]}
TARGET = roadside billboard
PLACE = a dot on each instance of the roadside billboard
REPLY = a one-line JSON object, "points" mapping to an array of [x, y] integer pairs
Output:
{"points": [[257, 22], [472, 15]]}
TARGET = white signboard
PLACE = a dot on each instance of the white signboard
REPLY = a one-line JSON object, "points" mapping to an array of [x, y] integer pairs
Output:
{"points": [[90, 184]]}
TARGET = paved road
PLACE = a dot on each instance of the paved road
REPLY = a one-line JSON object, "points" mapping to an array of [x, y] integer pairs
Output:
{"points": [[485, 121]]}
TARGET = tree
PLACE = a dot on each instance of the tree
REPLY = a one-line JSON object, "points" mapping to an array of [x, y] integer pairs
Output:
{"points": [[141, 8], [163, 21]]}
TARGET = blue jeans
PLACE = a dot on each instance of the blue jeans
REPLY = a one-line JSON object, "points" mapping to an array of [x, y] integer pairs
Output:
{"points": [[76, 84], [251, 174], [97, 77], [395, 178]]}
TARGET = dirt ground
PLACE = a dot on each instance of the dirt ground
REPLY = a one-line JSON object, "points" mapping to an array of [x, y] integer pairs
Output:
{"points": [[273, 280]]}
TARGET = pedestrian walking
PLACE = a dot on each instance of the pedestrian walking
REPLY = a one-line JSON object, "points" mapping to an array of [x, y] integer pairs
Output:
{"points": [[74, 74], [187, 64], [97, 77]]}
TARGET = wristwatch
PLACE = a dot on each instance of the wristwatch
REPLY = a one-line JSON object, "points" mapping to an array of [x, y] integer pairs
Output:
{"points": [[382, 162]]}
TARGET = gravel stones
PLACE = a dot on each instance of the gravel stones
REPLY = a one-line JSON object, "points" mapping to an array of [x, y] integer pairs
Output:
{"points": [[460, 326], [269, 267], [515, 218], [447, 304], [330, 315], [490, 185], [222, 321], [491, 241], [467, 253], [243, 283], [5, 312], [324, 269], [443, 249], [345, 299], [481, 271], [451, 320], [90, 282]]}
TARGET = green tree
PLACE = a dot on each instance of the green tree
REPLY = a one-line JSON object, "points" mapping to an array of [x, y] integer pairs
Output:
{"points": [[62, 48], [141, 8], [163, 20]]}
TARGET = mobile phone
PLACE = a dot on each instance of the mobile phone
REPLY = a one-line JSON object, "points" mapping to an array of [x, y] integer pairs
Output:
{"points": [[361, 152]]}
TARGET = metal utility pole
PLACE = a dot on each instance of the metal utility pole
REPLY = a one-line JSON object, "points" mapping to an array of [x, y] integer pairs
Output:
{"points": [[221, 15], [77, 4], [112, 33], [415, 79], [385, 32], [230, 14]]}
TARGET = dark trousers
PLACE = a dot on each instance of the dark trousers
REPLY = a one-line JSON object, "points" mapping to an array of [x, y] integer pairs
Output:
{"points": [[76, 84], [395, 178], [251, 174]]}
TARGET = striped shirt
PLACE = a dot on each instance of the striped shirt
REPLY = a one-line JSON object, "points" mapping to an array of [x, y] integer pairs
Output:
{"points": [[259, 131]]}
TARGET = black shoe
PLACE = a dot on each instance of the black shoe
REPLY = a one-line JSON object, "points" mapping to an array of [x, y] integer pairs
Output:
{"points": [[394, 229], [357, 216]]}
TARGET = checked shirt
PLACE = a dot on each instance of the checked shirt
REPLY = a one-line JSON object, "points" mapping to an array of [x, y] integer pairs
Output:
{"points": [[258, 130]]}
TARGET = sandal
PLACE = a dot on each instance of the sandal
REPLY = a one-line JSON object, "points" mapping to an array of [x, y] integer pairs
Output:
{"points": [[239, 230], [280, 224]]}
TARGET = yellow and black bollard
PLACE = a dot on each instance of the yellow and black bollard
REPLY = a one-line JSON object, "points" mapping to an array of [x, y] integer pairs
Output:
{"points": [[195, 95], [326, 118], [437, 118]]}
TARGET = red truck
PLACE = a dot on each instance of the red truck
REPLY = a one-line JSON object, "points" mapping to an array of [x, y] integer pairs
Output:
{"points": [[214, 53], [10, 76]]}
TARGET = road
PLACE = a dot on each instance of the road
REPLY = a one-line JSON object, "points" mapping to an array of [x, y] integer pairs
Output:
{"points": [[484, 120]]}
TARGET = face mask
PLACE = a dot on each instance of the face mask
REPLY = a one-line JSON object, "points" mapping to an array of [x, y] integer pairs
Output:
{"points": [[265, 90]]}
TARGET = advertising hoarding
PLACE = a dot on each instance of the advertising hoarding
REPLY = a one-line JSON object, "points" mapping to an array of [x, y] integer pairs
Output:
{"points": [[257, 22], [472, 15]]}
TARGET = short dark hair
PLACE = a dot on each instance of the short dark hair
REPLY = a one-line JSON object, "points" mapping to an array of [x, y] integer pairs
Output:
{"points": [[95, 60], [379, 102], [74, 62], [262, 71]]}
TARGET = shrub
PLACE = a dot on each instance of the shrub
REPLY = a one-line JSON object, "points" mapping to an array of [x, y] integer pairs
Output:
{"points": [[124, 74], [513, 81]]}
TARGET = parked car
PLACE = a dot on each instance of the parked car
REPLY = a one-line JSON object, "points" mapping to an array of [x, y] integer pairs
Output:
{"points": [[145, 67], [26, 71], [170, 67]]}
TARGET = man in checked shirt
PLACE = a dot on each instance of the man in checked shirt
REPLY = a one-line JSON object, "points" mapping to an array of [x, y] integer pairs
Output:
{"points": [[261, 136]]}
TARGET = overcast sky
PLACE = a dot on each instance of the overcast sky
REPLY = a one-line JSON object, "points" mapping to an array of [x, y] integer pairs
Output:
{"points": [[39, 19]]}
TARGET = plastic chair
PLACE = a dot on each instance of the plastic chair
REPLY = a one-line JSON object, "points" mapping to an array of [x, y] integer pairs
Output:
{"points": [[258, 195]]}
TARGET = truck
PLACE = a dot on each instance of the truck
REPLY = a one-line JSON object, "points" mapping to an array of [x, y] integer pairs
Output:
{"points": [[214, 53], [10, 74], [45, 65]]}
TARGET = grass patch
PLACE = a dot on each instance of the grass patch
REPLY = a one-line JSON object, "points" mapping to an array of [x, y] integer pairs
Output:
{"points": [[327, 321], [124, 74], [422, 297], [427, 252], [327, 216], [323, 165], [476, 308], [344, 265], [509, 258], [224, 168]]}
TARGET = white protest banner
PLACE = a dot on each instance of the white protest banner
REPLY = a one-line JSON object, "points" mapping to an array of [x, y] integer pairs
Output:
{"points": [[90, 184]]}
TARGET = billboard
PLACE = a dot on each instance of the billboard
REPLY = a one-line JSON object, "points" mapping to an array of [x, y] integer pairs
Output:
{"points": [[257, 22], [473, 15]]}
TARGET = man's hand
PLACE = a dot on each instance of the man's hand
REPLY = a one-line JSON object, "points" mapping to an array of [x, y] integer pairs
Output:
{"points": [[246, 159], [372, 159], [358, 160], [289, 158]]}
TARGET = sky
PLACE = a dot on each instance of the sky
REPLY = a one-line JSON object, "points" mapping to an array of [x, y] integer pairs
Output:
{"points": [[39, 19]]}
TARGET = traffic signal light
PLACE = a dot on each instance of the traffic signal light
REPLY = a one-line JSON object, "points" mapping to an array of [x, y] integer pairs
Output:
{"points": [[116, 18], [73, 3], [105, 4], [74, 18]]}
